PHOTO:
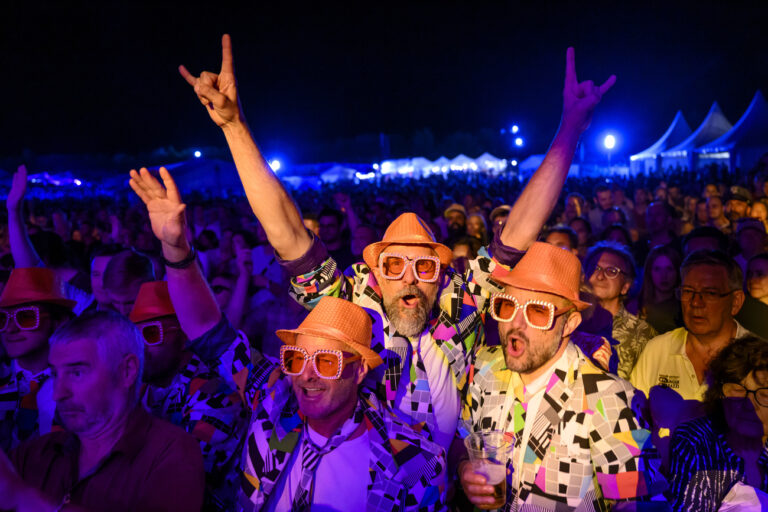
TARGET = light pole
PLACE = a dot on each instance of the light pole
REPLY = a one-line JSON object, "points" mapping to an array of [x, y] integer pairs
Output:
{"points": [[609, 142]]}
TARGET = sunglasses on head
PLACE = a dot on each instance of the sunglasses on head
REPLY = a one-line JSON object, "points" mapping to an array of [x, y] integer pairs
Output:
{"points": [[425, 268], [538, 314], [27, 318], [152, 332], [328, 364]]}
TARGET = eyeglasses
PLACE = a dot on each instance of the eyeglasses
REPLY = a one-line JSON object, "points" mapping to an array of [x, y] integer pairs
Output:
{"points": [[152, 332], [734, 390], [689, 294], [538, 314], [27, 318], [425, 268], [328, 364], [608, 272]]}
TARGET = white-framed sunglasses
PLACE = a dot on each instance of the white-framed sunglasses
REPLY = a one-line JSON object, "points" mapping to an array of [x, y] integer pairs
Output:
{"points": [[26, 318], [152, 332], [538, 314], [393, 265], [327, 363]]}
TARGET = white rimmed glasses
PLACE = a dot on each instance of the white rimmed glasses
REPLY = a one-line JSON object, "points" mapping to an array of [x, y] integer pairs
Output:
{"points": [[152, 332], [539, 314], [327, 363], [394, 265], [26, 318]]}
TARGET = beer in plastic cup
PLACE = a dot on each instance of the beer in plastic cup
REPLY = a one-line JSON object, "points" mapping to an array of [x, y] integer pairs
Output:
{"points": [[488, 453]]}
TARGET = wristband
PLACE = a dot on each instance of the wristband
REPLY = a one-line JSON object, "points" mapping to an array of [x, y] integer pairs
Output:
{"points": [[187, 261]]}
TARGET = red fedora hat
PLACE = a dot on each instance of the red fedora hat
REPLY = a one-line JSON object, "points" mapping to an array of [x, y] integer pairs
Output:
{"points": [[34, 284], [153, 301]]}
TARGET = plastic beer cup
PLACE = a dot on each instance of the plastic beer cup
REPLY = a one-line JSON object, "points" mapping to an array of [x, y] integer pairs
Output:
{"points": [[488, 453]]}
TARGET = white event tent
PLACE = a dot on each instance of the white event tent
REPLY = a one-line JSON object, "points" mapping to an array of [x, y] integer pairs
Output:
{"points": [[684, 154], [649, 159], [746, 142]]}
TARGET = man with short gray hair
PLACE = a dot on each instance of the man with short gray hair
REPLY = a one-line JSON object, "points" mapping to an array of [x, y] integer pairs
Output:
{"points": [[109, 437], [711, 295]]}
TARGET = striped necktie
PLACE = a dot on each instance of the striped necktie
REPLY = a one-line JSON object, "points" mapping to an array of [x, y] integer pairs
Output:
{"points": [[311, 455]]}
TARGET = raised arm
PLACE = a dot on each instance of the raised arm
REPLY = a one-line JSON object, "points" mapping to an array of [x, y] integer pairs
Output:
{"points": [[22, 250], [538, 199], [192, 298], [269, 200]]}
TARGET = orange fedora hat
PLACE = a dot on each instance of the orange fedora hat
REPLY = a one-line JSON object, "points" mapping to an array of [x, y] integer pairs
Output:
{"points": [[340, 320], [34, 284], [546, 268], [407, 229], [153, 301]]}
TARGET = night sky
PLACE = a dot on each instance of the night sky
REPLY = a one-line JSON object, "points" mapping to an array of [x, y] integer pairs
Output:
{"points": [[104, 79]]}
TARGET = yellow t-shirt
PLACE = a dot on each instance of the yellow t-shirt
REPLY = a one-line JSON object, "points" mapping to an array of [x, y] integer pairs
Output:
{"points": [[663, 362]]}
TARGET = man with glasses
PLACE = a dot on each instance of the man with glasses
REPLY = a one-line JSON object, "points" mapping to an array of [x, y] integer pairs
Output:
{"points": [[182, 389], [335, 446], [32, 306], [577, 442], [710, 295], [427, 319]]}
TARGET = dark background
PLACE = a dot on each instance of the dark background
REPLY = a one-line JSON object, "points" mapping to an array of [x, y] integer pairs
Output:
{"points": [[316, 79]]}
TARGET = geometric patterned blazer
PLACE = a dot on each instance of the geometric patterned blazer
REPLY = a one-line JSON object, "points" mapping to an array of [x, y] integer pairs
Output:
{"points": [[586, 448], [406, 471]]}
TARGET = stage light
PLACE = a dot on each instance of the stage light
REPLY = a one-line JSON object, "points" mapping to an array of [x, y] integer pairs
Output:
{"points": [[609, 142], [519, 142], [514, 162], [78, 182], [275, 164], [515, 128], [198, 154], [376, 166]]}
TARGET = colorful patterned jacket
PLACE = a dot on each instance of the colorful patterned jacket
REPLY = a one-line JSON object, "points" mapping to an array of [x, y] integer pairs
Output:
{"points": [[455, 325], [202, 403], [406, 471], [27, 409], [586, 445]]}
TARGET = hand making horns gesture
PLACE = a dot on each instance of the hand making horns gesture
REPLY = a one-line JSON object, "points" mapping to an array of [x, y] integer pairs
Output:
{"points": [[218, 92], [580, 99]]}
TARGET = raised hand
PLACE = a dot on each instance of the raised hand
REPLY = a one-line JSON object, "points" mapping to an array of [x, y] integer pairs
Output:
{"points": [[218, 92], [166, 211], [580, 99], [18, 189]]}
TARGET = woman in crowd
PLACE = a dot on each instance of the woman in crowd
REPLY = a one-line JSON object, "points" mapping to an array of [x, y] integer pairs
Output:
{"points": [[477, 228], [583, 230], [759, 211], [722, 458], [611, 272], [754, 313], [658, 305]]}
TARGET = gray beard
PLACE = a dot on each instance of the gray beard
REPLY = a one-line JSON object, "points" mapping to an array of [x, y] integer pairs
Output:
{"points": [[408, 322]]}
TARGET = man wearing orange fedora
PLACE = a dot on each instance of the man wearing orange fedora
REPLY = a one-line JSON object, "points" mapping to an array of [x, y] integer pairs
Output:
{"points": [[182, 389], [33, 304], [577, 442], [427, 318], [319, 440]]}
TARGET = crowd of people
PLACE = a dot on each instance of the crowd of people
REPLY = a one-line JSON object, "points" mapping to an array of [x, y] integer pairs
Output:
{"points": [[331, 349]]}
